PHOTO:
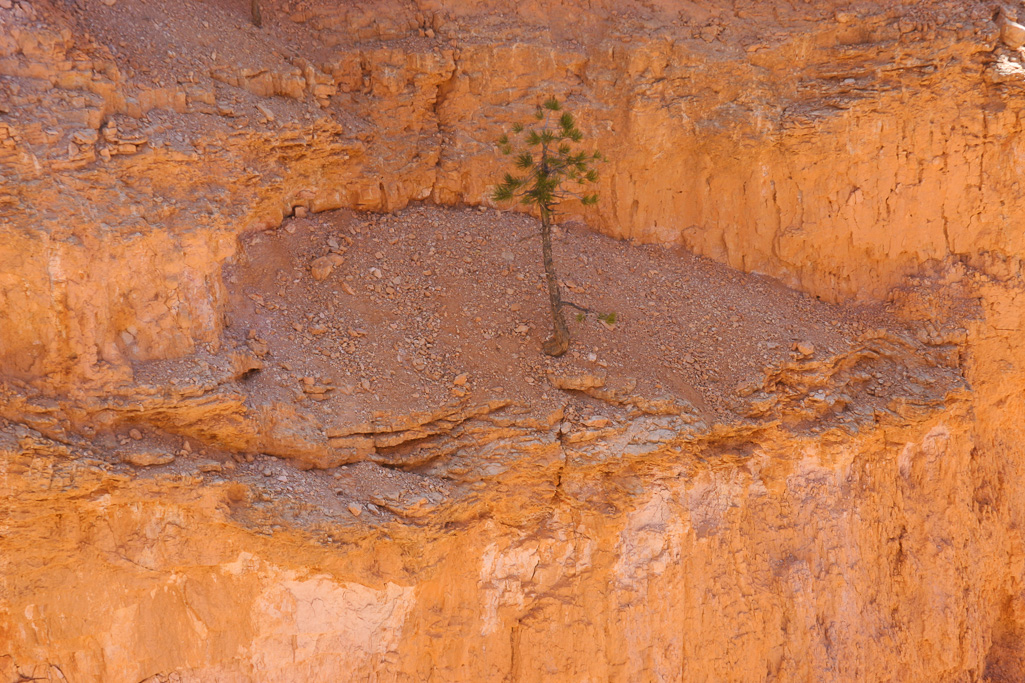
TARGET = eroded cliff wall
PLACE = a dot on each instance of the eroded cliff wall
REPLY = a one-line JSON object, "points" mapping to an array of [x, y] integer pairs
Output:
{"points": [[871, 559], [839, 149], [852, 150]]}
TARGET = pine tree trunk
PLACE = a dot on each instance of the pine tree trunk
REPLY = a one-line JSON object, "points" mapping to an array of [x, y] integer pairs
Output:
{"points": [[558, 343], [254, 9]]}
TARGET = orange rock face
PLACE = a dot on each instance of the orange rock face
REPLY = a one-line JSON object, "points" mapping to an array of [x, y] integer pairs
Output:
{"points": [[189, 497]]}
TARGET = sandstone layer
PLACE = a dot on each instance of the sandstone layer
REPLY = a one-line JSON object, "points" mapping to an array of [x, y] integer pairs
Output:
{"points": [[882, 153], [182, 503]]}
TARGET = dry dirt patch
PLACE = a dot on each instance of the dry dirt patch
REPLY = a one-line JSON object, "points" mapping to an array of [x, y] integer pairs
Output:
{"points": [[356, 313]]}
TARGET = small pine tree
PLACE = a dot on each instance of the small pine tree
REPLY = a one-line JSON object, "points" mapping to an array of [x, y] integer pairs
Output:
{"points": [[547, 164]]}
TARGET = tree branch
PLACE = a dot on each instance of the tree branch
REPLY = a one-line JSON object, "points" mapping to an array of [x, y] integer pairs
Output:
{"points": [[579, 308]]}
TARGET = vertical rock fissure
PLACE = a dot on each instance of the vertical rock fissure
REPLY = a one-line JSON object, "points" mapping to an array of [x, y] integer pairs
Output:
{"points": [[441, 94]]}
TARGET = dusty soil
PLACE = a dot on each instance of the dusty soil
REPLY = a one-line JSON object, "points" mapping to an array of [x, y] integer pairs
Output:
{"points": [[424, 296]]}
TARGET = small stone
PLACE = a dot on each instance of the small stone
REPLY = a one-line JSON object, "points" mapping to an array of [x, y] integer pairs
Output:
{"points": [[321, 268], [6, 4], [258, 346], [805, 348], [514, 307], [1012, 34], [147, 458], [267, 113], [135, 434], [267, 472], [356, 509], [597, 422], [209, 466], [109, 3], [461, 379], [282, 479], [430, 33], [300, 212]]}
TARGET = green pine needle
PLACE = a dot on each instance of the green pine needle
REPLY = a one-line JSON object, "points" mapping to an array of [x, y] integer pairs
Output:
{"points": [[554, 165]]}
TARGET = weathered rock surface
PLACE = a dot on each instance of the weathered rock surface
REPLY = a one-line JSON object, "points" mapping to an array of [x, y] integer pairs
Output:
{"points": [[644, 551], [716, 141], [861, 522]]}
